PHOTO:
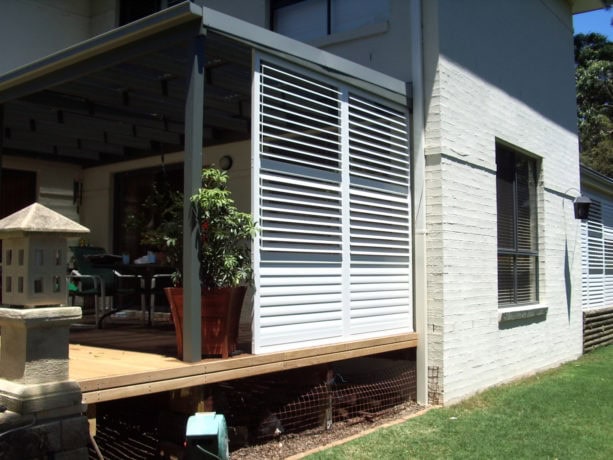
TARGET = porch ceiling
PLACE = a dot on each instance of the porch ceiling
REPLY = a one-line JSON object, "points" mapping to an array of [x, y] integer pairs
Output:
{"points": [[121, 95], [129, 101]]}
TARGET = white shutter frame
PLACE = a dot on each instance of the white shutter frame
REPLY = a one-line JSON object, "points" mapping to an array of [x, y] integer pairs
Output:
{"points": [[332, 204]]}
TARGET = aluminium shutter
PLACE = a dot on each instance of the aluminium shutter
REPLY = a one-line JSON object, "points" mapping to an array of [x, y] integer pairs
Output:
{"points": [[300, 242], [331, 171], [379, 217], [597, 254]]}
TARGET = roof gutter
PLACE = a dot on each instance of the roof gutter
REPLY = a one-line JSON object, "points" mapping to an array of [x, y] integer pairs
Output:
{"points": [[594, 180]]}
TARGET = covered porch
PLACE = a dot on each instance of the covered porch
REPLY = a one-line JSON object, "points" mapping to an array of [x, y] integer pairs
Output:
{"points": [[321, 157]]}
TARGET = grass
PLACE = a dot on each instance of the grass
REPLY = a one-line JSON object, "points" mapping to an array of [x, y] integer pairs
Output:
{"points": [[565, 413]]}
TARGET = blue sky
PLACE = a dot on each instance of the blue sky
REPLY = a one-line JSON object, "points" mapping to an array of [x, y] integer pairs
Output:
{"points": [[594, 21]]}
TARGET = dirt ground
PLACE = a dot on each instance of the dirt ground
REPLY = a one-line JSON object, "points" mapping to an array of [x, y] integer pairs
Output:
{"points": [[294, 445]]}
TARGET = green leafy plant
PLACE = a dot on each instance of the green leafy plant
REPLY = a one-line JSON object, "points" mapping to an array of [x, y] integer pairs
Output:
{"points": [[160, 223], [224, 233]]}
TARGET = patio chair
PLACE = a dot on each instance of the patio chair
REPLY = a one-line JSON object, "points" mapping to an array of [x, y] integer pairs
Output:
{"points": [[86, 282], [87, 287], [158, 282], [97, 276], [128, 286]]}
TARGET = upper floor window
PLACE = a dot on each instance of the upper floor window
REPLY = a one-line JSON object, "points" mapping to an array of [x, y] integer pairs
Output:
{"points": [[310, 19], [516, 178], [130, 10]]}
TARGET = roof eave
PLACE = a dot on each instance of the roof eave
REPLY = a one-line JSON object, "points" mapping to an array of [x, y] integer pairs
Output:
{"points": [[595, 180], [583, 6]]}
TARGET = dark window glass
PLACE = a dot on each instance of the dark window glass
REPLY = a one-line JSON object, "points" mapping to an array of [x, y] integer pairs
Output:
{"points": [[517, 228], [131, 10], [131, 189]]}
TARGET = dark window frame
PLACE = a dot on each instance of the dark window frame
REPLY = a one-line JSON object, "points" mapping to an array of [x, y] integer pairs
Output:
{"points": [[517, 232]]}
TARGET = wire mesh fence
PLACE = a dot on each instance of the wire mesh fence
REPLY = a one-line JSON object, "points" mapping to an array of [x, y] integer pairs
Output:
{"points": [[263, 408], [435, 396], [294, 403]]}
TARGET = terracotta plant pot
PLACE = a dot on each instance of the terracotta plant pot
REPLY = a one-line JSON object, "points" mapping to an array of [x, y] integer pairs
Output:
{"points": [[220, 314]]}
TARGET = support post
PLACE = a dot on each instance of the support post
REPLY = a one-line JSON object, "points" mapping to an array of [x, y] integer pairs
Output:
{"points": [[419, 204], [192, 170]]}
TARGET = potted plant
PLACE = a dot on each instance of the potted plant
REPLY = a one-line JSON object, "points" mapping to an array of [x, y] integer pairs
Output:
{"points": [[225, 265]]}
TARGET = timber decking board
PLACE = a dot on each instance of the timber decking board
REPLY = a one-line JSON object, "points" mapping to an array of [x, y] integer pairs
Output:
{"points": [[124, 362]]}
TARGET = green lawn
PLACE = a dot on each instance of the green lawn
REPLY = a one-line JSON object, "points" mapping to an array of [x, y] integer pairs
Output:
{"points": [[566, 413]]}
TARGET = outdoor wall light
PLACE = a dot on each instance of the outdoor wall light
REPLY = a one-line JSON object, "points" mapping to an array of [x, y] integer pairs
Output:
{"points": [[582, 207], [225, 162]]}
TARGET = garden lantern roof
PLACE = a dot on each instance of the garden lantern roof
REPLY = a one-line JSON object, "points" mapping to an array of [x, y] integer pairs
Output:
{"points": [[37, 218]]}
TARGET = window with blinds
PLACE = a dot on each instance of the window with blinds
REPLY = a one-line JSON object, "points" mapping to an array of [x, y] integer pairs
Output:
{"points": [[516, 177], [333, 212]]}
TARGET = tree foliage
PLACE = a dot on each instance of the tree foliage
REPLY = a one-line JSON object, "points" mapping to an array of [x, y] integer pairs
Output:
{"points": [[594, 80]]}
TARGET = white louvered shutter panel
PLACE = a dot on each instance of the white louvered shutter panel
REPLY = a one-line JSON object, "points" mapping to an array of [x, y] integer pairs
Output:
{"points": [[300, 290], [585, 276], [595, 256], [379, 217], [332, 253], [607, 232]]}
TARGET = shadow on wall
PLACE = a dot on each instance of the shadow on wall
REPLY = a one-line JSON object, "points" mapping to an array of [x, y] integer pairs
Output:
{"points": [[532, 63], [567, 280]]}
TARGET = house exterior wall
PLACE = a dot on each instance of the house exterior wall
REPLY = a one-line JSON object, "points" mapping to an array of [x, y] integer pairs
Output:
{"points": [[103, 16], [384, 46], [254, 11], [54, 183], [40, 27], [514, 89]]}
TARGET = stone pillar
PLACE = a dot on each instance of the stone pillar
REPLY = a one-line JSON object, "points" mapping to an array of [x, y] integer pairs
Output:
{"points": [[43, 414]]}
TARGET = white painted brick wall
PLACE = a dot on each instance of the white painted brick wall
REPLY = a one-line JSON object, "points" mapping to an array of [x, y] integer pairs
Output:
{"points": [[468, 112]]}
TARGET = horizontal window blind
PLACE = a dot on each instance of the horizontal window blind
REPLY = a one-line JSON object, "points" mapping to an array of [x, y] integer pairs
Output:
{"points": [[517, 228]]}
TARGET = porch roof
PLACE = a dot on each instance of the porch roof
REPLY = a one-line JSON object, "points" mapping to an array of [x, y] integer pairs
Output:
{"points": [[121, 95]]}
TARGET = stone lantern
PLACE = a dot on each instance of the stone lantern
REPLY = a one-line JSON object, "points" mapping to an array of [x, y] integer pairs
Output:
{"points": [[34, 256], [39, 401]]}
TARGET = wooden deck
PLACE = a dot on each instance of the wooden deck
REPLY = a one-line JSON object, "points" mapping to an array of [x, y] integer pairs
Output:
{"points": [[123, 362]]}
